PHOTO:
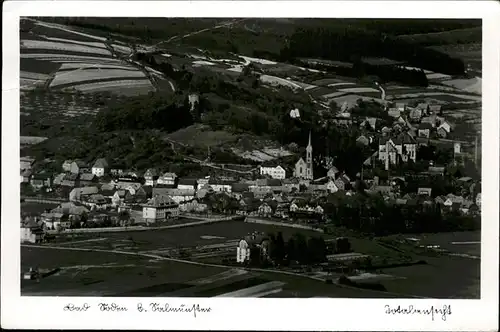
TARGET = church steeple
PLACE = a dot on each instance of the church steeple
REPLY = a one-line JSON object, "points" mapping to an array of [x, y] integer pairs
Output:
{"points": [[309, 159]]}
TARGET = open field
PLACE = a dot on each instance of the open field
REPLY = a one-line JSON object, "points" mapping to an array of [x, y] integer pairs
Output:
{"points": [[66, 58], [105, 274], [444, 277]]}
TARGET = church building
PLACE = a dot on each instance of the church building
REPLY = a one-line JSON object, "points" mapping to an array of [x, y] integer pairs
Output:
{"points": [[304, 169]]}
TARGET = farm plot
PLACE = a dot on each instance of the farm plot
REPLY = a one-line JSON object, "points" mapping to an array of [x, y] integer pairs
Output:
{"points": [[85, 65], [65, 57], [76, 77], [473, 85], [63, 31], [121, 87], [449, 97], [62, 47], [71, 41]]}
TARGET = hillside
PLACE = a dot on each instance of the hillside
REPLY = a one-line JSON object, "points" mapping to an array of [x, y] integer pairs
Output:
{"points": [[87, 79]]}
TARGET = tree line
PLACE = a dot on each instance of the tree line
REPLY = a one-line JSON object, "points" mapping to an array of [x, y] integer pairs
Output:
{"points": [[297, 249], [347, 44], [371, 214]]}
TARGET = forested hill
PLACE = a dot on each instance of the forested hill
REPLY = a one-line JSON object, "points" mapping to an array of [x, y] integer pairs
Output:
{"points": [[349, 44]]}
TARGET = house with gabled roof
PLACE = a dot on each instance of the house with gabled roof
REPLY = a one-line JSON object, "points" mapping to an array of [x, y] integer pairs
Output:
{"points": [[78, 194], [167, 178], [151, 177], [416, 114], [424, 130], [159, 209], [363, 140], [79, 167], [88, 179], [66, 165], [424, 191], [100, 167], [276, 172], [26, 163], [26, 175], [40, 180], [402, 146]]}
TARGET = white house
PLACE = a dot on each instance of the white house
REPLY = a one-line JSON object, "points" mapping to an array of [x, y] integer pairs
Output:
{"points": [[151, 177], [167, 179], [277, 172], [242, 252], [27, 163], [202, 182], [331, 187], [220, 186], [446, 126], [403, 145], [160, 208], [100, 167], [32, 233]]}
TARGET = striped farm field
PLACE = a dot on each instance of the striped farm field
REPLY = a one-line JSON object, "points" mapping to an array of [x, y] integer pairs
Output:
{"points": [[34, 76], [452, 97], [358, 90], [64, 57], [62, 47], [85, 65], [123, 87], [78, 76], [76, 42], [59, 30]]}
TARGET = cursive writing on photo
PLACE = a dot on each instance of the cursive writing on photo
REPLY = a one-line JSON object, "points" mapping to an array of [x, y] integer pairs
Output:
{"points": [[111, 307], [73, 307], [443, 311], [167, 308]]}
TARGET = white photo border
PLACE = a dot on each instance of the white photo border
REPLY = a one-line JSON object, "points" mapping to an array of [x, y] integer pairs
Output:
{"points": [[233, 314]]}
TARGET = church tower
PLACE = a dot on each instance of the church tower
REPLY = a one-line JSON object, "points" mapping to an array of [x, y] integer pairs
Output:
{"points": [[309, 160]]}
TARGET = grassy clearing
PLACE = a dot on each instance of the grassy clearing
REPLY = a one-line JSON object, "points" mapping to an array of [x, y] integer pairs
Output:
{"points": [[199, 135]]}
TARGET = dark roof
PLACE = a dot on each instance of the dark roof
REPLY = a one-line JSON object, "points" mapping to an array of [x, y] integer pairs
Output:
{"points": [[239, 187], [81, 163], [274, 182], [425, 125], [87, 176], [41, 176], [187, 181], [101, 163]]}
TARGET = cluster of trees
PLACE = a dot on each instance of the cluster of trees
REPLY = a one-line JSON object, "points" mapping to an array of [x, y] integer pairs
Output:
{"points": [[371, 214], [146, 112], [297, 249], [388, 73], [349, 44], [130, 149]]}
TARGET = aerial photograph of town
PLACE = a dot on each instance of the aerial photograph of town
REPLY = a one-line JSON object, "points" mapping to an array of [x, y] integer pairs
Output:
{"points": [[250, 157]]}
